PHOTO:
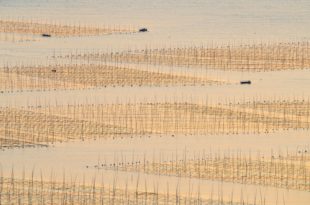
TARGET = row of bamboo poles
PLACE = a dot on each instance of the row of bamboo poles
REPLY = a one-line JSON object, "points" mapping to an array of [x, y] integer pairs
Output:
{"points": [[58, 29], [244, 57], [291, 171], [45, 125], [102, 74], [82, 76], [31, 191]]}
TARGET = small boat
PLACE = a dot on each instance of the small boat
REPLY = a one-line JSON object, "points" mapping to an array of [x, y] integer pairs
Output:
{"points": [[245, 82], [46, 35], [143, 30]]}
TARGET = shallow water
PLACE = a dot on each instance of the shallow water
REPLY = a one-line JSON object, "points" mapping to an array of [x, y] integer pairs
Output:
{"points": [[203, 22], [76, 155], [171, 23], [78, 160], [281, 85]]}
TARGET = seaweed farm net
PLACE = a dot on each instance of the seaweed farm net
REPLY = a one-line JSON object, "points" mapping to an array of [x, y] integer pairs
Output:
{"points": [[44, 125], [247, 57], [34, 192], [82, 76], [291, 171], [58, 30]]}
